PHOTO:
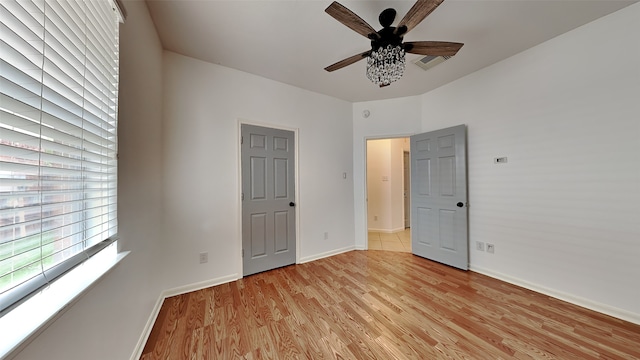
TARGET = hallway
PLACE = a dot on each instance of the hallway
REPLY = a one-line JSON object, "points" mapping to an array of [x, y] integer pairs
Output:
{"points": [[397, 241]]}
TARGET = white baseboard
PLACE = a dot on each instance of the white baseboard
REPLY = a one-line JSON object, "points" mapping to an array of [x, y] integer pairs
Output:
{"points": [[576, 300], [169, 293], [200, 285], [326, 254], [147, 328]]}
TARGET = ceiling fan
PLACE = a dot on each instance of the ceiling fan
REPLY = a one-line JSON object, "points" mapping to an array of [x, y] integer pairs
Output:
{"points": [[386, 59]]}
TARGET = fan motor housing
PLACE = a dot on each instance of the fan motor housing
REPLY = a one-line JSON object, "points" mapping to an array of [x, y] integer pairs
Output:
{"points": [[386, 36]]}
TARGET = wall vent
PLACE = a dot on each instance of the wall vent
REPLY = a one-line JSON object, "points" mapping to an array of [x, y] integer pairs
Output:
{"points": [[429, 61]]}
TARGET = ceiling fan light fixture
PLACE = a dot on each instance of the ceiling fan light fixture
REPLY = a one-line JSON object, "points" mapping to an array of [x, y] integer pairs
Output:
{"points": [[386, 59], [386, 64]]}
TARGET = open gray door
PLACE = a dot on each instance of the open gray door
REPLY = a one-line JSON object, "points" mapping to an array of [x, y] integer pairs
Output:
{"points": [[268, 213], [439, 196]]}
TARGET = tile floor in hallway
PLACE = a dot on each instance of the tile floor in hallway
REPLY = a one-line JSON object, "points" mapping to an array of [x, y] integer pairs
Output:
{"points": [[397, 241]]}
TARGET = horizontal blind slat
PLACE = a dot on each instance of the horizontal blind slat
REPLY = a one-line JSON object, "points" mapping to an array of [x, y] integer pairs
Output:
{"points": [[10, 105], [20, 94]]}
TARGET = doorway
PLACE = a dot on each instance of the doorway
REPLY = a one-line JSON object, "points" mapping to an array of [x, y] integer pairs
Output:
{"points": [[387, 178]]}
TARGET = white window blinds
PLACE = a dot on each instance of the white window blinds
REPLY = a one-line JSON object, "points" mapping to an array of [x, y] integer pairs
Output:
{"points": [[58, 138]]}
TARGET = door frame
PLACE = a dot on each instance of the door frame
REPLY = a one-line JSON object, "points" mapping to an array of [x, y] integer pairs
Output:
{"points": [[296, 162], [406, 185], [366, 189]]}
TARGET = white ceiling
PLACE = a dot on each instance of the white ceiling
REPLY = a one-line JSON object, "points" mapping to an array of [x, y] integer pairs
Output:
{"points": [[292, 41]]}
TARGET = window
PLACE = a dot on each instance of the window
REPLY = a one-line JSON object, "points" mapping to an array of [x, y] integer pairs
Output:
{"points": [[58, 138]]}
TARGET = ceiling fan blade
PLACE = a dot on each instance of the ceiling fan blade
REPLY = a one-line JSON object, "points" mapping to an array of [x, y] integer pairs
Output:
{"points": [[348, 61], [418, 12], [350, 19], [434, 48]]}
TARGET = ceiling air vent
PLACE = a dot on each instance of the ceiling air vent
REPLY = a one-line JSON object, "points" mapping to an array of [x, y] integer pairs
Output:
{"points": [[429, 61]]}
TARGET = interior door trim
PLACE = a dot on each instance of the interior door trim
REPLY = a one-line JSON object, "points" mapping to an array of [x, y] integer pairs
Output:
{"points": [[365, 229]]}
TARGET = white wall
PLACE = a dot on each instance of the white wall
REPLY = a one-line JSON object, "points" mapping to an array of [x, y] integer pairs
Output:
{"points": [[378, 185], [203, 103], [563, 212], [388, 118], [107, 321]]}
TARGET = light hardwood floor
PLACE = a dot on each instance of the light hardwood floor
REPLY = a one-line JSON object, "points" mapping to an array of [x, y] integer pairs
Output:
{"points": [[381, 305]]}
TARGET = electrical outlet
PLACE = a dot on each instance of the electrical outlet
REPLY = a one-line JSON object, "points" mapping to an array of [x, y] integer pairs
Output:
{"points": [[491, 248], [375, 217], [326, 236], [204, 257], [479, 246]]}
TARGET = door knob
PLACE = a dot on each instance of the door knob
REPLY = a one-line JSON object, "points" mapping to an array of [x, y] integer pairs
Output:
{"points": [[459, 204], [292, 204]]}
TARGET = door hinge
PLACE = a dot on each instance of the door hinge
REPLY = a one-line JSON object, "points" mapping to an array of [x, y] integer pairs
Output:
{"points": [[241, 140], [242, 252], [242, 196]]}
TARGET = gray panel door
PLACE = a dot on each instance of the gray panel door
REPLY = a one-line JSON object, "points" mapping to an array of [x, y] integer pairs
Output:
{"points": [[439, 196], [268, 213]]}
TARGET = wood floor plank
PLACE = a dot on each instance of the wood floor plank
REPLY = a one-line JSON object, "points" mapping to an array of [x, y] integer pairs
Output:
{"points": [[308, 339], [381, 305], [168, 334]]}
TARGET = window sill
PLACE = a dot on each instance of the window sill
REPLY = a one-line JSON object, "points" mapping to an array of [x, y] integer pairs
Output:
{"points": [[33, 315]]}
